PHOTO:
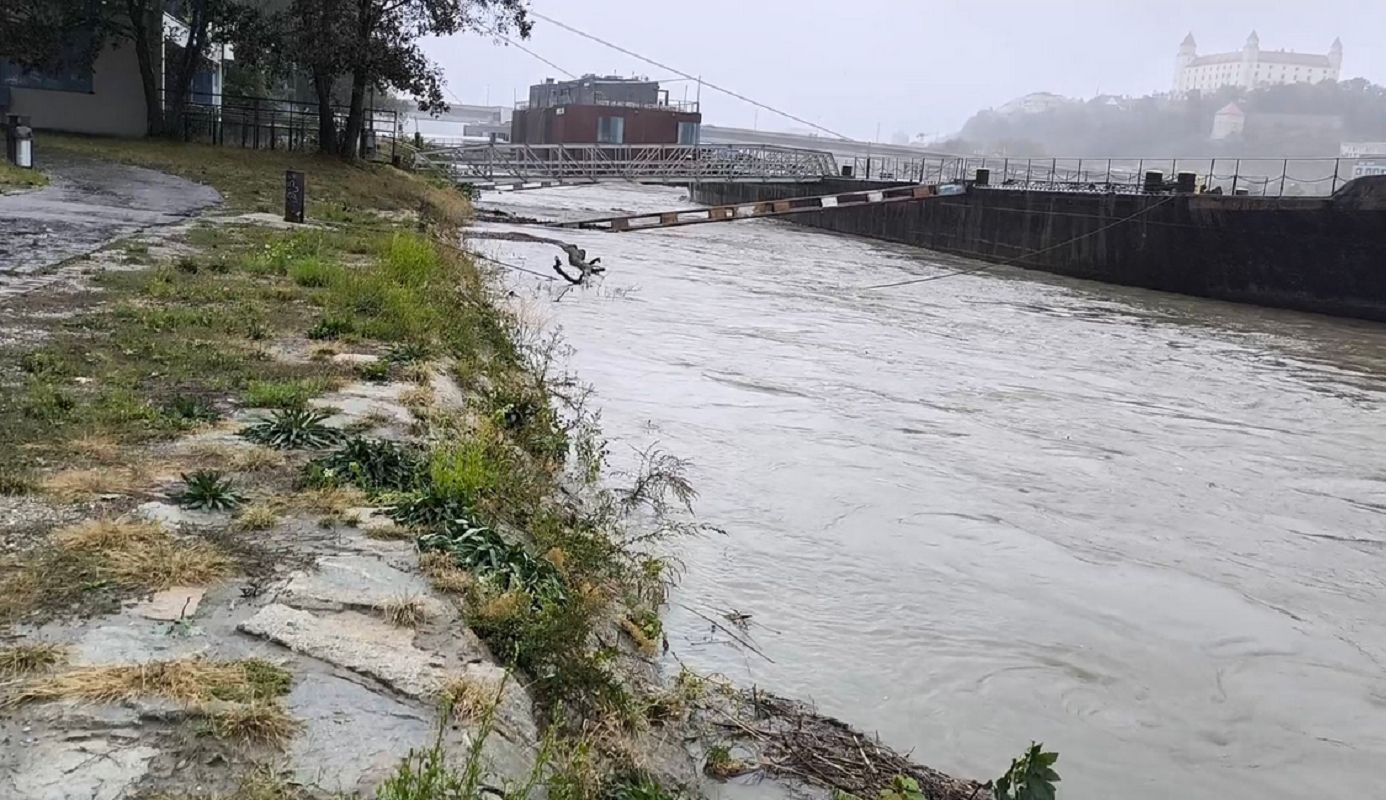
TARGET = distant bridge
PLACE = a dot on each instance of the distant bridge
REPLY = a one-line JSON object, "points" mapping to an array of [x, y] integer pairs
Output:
{"points": [[488, 166]]}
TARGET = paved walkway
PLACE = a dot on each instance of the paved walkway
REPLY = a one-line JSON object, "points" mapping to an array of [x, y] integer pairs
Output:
{"points": [[89, 204]]}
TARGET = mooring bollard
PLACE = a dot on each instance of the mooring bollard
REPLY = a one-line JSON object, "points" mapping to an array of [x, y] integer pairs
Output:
{"points": [[295, 195], [1154, 181], [1186, 183], [983, 177]]}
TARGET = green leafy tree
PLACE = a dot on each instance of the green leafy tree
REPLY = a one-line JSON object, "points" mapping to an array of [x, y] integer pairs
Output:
{"points": [[382, 49], [1031, 777]]}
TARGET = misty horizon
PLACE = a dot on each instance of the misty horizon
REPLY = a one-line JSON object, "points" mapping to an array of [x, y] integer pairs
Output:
{"points": [[903, 71]]}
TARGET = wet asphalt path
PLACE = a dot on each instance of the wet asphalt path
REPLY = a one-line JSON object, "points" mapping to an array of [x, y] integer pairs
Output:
{"points": [[89, 204]]}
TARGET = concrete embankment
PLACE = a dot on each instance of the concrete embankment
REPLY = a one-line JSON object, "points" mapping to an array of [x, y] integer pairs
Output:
{"points": [[1322, 254]]}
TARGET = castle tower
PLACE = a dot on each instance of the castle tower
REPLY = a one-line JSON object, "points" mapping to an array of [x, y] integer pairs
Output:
{"points": [[1335, 57], [1251, 54], [1188, 51]]}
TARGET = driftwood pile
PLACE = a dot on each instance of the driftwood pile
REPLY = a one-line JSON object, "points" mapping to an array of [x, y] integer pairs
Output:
{"points": [[791, 740]]}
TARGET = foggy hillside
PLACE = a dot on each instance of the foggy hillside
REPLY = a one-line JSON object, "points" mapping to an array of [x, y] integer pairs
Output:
{"points": [[1290, 120]]}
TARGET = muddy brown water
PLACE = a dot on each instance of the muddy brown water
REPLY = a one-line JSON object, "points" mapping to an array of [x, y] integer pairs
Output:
{"points": [[1145, 529]]}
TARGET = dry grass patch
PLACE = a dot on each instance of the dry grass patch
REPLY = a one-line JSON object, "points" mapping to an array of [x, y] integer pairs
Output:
{"points": [[103, 449], [257, 517], [417, 399], [444, 574], [406, 611], [334, 500], [253, 723], [23, 659], [141, 555], [469, 697], [389, 533], [239, 458], [642, 641], [81, 483], [193, 680]]}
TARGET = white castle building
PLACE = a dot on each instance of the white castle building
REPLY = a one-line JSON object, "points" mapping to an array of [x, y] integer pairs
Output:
{"points": [[1252, 67]]}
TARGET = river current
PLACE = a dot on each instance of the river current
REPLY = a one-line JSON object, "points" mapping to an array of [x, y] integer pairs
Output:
{"points": [[1145, 529]]}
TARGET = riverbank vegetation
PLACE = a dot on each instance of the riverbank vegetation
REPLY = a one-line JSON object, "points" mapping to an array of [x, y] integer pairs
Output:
{"points": [[178, 418], [235, 328]]}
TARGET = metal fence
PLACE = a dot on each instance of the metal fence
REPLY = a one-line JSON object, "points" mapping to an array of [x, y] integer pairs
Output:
{"points": [[278, 124], [1264, 177]]}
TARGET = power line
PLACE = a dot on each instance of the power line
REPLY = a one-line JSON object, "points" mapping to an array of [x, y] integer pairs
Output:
{"points": [[514, 43], [709, 85]]}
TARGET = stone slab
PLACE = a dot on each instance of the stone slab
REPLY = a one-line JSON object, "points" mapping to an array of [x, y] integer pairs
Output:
{"points": [[352, 737], [363, 644], [359, 581], [178, 602], [65, 767]]}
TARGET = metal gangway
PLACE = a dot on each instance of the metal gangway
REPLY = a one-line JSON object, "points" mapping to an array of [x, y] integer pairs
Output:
{"points": [[761, 209], [497, 165]]}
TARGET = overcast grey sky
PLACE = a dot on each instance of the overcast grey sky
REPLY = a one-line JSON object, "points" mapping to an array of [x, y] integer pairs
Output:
{"points": [[908, 65]]}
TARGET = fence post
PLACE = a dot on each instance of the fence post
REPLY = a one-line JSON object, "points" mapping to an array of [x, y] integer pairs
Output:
{"points": [[1284, 168], [1236, 173], [1080, 170], [257, 123], [1336, 163], [1108, 180], [1053, 167], [1140, 171], [1028, 162]]}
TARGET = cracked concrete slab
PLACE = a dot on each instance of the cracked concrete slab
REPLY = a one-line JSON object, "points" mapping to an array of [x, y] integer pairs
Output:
{"points": [[363, 644], [173, 517], [352, 737], [89, 204], [178, 602], [360, 581], [68, 766]]}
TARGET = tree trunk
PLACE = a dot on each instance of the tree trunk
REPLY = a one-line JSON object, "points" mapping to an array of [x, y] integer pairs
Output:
{"points": [[140, 17], [356, 117], [188, 62], [327, 121], [360, 77]]}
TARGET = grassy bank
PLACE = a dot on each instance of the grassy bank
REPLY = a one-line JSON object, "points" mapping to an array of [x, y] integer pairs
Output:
{"points": [[186, 336], [14, 179]]}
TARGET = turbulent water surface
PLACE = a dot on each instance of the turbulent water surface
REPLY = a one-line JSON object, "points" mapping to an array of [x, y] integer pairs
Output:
{"points": [[1146, 529]]}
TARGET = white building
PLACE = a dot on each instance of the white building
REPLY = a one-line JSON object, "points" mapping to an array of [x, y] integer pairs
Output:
{"points": [[1228, 122], [1252, 67], [106, 97]]}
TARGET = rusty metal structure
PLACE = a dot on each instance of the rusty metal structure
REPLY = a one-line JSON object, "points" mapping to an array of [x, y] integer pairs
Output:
{"points": [[763, 209], [489, 165]]}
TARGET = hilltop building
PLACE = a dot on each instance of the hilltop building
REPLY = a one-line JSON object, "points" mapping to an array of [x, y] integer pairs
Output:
{"points": [[1252, 67]]}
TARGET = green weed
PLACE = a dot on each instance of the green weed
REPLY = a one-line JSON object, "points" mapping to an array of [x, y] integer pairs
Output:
{"points": [[330, 328], [294, 429], [293, 393], [1030, 777], [313, 272], [374, 465], [208, 490]]}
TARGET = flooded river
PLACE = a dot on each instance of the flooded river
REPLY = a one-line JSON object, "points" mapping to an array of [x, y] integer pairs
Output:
{"points": [[1147, 530]]}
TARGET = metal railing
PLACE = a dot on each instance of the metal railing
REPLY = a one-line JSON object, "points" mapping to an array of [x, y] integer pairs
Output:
{"points": [[1263, 177], [656, 163], [278, 124]]}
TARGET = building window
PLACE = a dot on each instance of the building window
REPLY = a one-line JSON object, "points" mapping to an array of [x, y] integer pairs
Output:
{"points": [[688, 133], [611, 130], [71, 73]]}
